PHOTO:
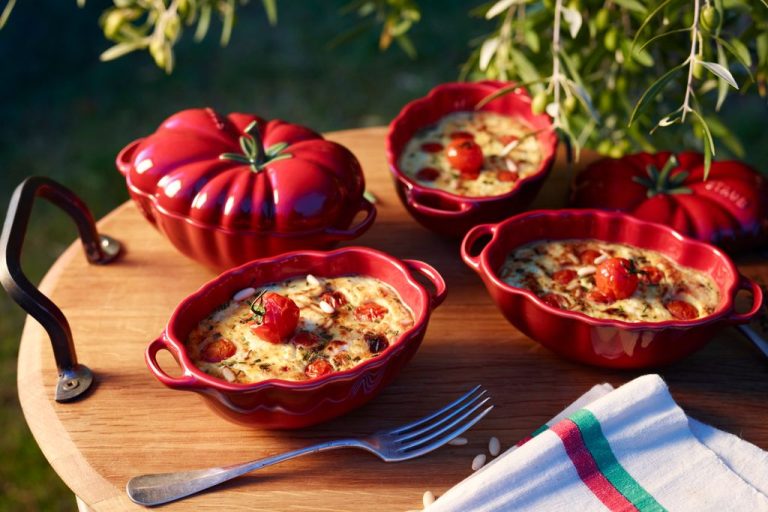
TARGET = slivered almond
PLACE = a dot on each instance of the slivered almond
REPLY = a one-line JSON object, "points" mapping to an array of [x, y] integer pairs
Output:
{"points": [[586, 271], [458, 441], [228, 374], [428, 498], [312, 280], [243, 294], [327, 308], [601, 259], [494, 446], [478, 461]]}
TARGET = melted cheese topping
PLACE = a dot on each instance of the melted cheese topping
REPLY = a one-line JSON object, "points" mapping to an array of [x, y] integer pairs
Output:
{"points": [[492, 132], [533, 265], [343, 336]]}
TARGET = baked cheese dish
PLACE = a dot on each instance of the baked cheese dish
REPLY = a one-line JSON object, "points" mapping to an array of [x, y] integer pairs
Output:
{"points": [[612, 281], [472, 154], [299, 329]]}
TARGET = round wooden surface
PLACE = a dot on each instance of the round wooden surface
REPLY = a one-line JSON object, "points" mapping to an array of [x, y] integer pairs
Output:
{"points": [[130, 424]]}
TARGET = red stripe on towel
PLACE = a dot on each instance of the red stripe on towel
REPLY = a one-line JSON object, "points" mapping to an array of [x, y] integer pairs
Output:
{"points": [[587, 468]]}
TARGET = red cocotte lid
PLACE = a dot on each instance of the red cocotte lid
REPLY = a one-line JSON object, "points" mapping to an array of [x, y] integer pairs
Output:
{"points": [[242, 175]]}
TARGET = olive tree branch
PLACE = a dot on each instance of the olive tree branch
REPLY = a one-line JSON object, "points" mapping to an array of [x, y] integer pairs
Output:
{"points": [[695, 36], [556, 61]]}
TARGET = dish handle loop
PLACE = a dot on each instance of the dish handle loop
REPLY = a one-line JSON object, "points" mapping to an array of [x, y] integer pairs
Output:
{"points": [[124, 159], [74, 378], [184, 382], [355, 231], [469, 252], [414, 198], [437, 296], [757, 301]]}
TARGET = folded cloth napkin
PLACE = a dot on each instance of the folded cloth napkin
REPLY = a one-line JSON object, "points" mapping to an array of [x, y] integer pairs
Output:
{"points": [[632, 448]]}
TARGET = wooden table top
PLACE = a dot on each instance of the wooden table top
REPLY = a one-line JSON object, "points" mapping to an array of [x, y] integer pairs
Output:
{"points": [[130, 424]]}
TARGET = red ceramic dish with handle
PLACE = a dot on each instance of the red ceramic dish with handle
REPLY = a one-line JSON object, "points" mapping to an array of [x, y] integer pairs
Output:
{"points": [[277, 403], [452, 214], [226, 189], [605, 342]]}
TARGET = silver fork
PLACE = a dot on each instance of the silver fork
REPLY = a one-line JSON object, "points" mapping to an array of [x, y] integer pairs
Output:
{"points": [[393, 445]]}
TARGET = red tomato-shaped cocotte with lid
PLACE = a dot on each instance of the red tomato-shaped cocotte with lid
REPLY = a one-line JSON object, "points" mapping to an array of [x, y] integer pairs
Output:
{"points": [[729, 208], [229, 189]]}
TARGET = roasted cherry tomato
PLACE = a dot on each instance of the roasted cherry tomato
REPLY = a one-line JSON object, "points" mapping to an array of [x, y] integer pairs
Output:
{"points": [[370, 312], [555, 300], [318, 368], [508, 176], [334, 299], [306, 339], [508, 139], [376, 342], [219, 350], [616, 276], [682, 310], [427, 174], [650, 275], [564, 276], [600, 297], [588, 257], [278, 320], [466, 156], [432, 147]]}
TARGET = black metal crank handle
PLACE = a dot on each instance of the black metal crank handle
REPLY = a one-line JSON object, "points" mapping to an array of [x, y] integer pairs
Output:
{"points": [[74, 378]]}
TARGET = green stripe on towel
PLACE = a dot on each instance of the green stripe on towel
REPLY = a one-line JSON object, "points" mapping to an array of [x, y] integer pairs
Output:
{"points": [[598, 446]]}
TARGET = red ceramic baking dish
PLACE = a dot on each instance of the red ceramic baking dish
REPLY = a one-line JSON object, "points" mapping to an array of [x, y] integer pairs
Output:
{"points": [[277, 403], [451, 214], [226, 189], [602, 342]]}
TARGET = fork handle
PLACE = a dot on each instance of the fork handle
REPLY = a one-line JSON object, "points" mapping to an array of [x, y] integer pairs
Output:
{"points": [[162, 488]]}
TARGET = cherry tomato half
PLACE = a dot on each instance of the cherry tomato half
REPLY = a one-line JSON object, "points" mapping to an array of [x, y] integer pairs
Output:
{"points": [[219, 350], [600, 297], [466, 156], [564, 276], [588, 257], [334, 299], [306, 339], [508, 176], [370, 312], [427, 174], [318, 368], [280, 318], [616, 277], [651, 275], [555, 300], [682, 310]]}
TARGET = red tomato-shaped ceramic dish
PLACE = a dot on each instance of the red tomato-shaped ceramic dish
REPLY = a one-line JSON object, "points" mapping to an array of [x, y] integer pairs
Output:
{"points": [[277, 403], [452, 214], [228, 189], [605, 342], [729, 208]]}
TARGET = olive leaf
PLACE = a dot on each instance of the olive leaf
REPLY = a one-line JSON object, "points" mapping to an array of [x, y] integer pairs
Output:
{"points": [[721, 72]]}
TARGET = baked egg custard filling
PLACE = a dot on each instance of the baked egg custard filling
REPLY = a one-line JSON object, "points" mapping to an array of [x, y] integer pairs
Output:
{"points": [[299, 329]]}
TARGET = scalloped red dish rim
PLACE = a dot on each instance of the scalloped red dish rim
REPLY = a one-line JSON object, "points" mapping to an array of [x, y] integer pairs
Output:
{"points": [[394, 167], [726, 305], [310, 384]]}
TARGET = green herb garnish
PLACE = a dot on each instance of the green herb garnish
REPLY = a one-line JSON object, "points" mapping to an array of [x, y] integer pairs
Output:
{"points": [[257, 307]]}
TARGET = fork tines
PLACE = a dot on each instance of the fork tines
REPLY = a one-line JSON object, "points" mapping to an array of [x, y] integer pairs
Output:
{"points": [[440, 427]]}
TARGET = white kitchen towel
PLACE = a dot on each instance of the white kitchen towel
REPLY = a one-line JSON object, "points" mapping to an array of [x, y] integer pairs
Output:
{"points": [[631, 449]]}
